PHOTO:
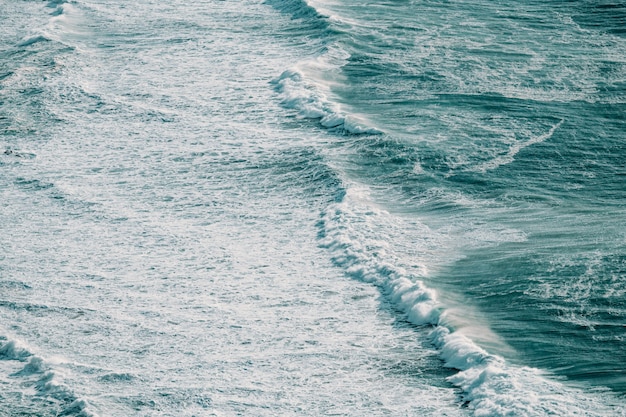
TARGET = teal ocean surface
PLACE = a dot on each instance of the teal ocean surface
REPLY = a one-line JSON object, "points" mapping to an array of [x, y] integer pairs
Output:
{"points": [[312, 207]]}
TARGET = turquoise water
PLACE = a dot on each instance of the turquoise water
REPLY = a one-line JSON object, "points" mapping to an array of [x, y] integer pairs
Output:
{"points": [[312, 208]]}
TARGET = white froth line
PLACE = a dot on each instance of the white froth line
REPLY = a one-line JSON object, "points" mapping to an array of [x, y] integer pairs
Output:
{"points": [[515, 148]]}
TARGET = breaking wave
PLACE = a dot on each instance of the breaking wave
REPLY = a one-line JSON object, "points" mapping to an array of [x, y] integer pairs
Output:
{"points": [[38, 382], [311, 101], [351, 231]]}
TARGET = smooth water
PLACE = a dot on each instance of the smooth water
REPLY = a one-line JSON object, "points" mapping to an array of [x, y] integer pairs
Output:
{"points": [[312, 208]]}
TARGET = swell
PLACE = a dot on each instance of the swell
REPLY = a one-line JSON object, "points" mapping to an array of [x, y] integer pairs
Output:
{"points": [[475, 149]]}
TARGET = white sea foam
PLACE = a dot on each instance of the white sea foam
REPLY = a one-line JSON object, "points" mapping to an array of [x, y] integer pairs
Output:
{"points": [[366, 258], [490, 385], [515, 148]]}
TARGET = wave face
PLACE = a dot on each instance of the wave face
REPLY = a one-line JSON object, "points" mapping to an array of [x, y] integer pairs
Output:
{"points": [[312, 207]]}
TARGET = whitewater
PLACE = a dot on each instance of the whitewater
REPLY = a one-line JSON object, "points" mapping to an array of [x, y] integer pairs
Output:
{"points": [[312, 207]]}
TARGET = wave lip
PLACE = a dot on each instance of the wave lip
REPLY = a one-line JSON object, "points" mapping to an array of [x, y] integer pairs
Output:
{"points": [[311, 102], [31, 40]]}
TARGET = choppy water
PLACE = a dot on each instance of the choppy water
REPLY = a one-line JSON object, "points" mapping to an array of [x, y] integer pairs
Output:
{"points": [[312, 208]]}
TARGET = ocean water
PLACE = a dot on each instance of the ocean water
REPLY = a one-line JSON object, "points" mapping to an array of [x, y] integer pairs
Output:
{"points": [[312, 207]]}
